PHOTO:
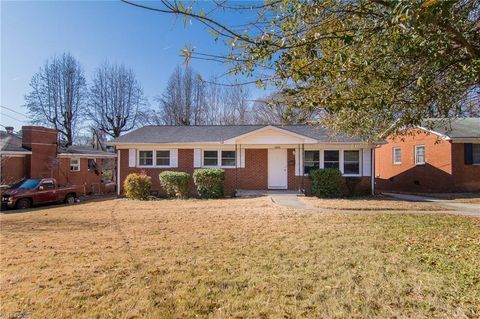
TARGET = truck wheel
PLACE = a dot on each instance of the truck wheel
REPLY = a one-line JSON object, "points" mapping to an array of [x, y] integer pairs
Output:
{"points": [[70, 199], [23, 203]]}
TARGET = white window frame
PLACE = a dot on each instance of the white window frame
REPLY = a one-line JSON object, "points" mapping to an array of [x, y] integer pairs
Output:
{"points": [[394, 149], [416, 152], [219, 158], [77, 165], [340, 164], [153, 158], [342, 161], [169, 158]]}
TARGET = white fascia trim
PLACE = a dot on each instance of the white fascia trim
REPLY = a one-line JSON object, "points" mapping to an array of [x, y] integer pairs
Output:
{"points": [[68, 155], [307, 140], [442, 136], [15, 153]]}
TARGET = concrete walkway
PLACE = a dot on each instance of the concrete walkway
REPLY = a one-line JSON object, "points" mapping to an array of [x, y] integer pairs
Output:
{"points": [[467, 209], [291, 201]]}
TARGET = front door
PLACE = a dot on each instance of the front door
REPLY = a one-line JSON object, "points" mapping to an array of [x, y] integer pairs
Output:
{"points": [[277, 169]]}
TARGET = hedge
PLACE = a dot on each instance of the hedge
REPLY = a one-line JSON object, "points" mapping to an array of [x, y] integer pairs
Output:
{"points": [[209, 182], [175, 183], [137, 186], [326, 182]]}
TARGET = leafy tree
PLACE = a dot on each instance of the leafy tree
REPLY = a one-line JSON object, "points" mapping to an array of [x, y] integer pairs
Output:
{"points": [[373, 66]]}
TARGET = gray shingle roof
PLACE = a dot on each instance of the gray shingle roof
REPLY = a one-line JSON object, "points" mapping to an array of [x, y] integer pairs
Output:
{"points": [[218, 133], [85, 150], [11, 143], [456, 128]]}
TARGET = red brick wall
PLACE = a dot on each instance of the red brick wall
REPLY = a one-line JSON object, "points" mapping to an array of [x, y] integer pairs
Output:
{"points": [[13, 169], [466, 178], [434, 176], [43, 144], [92, 182]]}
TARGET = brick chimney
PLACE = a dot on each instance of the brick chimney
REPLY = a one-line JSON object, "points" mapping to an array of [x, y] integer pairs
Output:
{"points": [[42, 142], [9, 129]]}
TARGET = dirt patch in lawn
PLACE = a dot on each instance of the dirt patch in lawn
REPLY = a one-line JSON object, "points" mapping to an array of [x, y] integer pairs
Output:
{"points": [[239, 258], [377, 203]]}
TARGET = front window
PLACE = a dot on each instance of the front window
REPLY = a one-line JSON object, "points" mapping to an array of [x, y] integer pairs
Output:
{"points": [[163, 158], [419, 154], [397, 155], [476, 153], [228, 158], [351, 162], [332, 159], [210, 158], [145, 158], [311, 161], [74, 164]]}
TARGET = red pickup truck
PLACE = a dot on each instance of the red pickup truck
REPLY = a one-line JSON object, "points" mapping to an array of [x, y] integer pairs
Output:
{"points": [[30, 192]]}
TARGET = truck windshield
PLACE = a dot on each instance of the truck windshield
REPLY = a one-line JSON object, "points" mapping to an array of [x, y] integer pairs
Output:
{"points": [[27, 184]]}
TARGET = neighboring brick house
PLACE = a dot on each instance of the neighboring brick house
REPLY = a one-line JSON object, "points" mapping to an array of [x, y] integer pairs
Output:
{"points": [[37, 154], [444, 158], [255, 157]]}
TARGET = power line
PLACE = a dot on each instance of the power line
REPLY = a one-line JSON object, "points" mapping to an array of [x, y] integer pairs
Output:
{"points": [[13, 118], [7, 108]]}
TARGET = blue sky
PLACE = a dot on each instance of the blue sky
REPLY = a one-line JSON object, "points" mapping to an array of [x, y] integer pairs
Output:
{"points": [[95, 31]]}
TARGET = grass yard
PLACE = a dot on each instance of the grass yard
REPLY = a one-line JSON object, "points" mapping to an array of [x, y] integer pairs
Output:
{"points": [[237, 258], [377, 203]]}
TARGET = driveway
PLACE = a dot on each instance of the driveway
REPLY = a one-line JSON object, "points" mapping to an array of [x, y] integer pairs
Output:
{"points": [[467, 209]]}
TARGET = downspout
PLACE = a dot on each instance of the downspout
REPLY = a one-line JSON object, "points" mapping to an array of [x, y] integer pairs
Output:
{"points": [[237, 155], [118, 172], [300, 164], [372, 177]]}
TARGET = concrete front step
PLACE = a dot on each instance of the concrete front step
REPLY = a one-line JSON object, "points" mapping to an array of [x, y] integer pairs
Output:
{"points": [[265, 192]]}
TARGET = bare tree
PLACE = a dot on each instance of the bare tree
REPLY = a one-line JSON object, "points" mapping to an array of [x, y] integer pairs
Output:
{"points": [[274, 109], [115, 100], [57, 95]]}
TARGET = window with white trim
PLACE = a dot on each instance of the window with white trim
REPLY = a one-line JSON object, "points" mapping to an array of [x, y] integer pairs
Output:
{"points": [[331, 159], [397, 155], [419, 154], [163, 158], [145, 158], [228, 158], [74, 165], [210, 158], [311, 160], [351, 162]]}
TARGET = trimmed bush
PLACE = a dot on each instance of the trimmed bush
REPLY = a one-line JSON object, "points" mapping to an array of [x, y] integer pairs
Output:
{"points": [[175, 183], [210, 182], [326, 182], [137, 186]]}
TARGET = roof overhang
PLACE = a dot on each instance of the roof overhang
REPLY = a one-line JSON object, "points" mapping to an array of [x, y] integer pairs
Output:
{"points": [[72, 155], [16, 153]]}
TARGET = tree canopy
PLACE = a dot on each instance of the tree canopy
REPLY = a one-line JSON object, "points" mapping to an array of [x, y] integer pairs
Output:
{"points": [[372, 66]]}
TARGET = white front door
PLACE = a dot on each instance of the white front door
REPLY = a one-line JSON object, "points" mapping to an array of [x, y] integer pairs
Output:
{"points": [[277, 169]]}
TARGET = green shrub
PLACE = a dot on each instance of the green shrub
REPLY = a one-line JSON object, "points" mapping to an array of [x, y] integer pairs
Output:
{"points": [[175, 183], [209, 182], [326, 182], [137, 186]]}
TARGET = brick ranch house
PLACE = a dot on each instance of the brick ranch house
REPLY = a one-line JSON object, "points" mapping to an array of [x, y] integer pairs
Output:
{"points": [[254, 157], [444, 158], [38, 154]]}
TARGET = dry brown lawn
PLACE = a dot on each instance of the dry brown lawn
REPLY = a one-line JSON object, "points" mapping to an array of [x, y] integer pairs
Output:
{"points": [[378, 203], [237, 258], [472, 198]]}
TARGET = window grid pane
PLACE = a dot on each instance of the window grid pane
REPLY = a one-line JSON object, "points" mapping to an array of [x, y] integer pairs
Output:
{"points": [[397, 155], [311, 161], [419, 154], [351, 162], [332, 159], [146, 158], [163, 158], [228, 158], [210, 158], [476, 153]]}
